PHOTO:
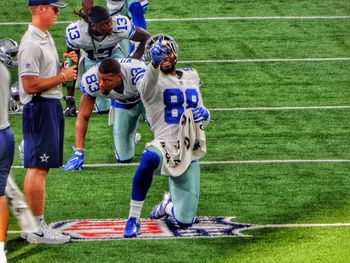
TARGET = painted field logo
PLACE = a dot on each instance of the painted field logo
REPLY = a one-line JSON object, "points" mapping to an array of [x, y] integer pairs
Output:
{"points": [[112, 229]]}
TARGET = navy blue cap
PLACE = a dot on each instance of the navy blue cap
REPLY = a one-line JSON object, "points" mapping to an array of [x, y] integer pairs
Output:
{"points": [[55, 3]]}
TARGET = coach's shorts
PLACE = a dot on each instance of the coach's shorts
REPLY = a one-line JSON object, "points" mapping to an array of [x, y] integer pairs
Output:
{"points": [[43, 131], [7, 149]]}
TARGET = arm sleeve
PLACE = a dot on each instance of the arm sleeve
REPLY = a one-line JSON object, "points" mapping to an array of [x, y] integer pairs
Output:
{"points": [[147, 86]]}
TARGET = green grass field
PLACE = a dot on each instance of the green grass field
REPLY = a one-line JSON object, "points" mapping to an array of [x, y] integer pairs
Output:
{"points": [[263, 193]]}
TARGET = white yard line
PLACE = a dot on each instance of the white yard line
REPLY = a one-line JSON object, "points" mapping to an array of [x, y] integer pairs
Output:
{"points": [[262, 108], [262, 60], [194, 19], [298, 225], [281, 108], [105, 165]]}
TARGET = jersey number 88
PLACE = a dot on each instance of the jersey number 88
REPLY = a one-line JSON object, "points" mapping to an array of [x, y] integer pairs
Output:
{"points": [[174, 101]]}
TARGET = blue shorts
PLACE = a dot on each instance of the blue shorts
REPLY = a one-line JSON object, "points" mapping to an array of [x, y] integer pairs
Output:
{"points": [[43, 132], [7, 149]]}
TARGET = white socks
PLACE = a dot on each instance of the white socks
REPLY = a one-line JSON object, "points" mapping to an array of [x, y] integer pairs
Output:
{"points": [[39, 219], [2, 253], [135, 208]]}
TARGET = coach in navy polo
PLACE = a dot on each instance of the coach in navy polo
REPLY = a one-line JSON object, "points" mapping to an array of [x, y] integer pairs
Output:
{"points": [[40, 82]]}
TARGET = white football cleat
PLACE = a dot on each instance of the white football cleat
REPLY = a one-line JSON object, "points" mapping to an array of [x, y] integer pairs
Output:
{"points": [[159, 210], [137, 138]]}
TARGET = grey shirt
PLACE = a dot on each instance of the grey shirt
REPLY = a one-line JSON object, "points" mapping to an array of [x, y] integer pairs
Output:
{"points": [[4, 96], [37, 56]]}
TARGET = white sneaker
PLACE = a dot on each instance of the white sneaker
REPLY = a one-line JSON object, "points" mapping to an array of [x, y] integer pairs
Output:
{"points": [[46, 235], [137, 138], [3, 257]]}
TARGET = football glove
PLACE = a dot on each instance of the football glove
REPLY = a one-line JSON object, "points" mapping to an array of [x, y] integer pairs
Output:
{"points": [[76, 161], [158, 52], [200, 114]]}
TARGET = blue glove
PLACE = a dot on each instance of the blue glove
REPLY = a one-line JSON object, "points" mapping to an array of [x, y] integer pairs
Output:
{"points": [[158, 52], [200, 114], [76, 161]]}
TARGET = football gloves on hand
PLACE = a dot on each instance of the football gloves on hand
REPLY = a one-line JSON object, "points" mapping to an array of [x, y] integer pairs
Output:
{"points": [[158, 52], [76, 161], [200, 114]]}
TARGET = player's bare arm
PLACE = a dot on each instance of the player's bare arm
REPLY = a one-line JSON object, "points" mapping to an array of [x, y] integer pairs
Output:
{"points": [[141, 36], [81, 125]]}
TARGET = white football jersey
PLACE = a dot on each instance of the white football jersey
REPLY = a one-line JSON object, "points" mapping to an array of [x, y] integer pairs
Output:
{"points": [[165, 98], [4, 96], [132, 72], [78, 37], [122, 7]]}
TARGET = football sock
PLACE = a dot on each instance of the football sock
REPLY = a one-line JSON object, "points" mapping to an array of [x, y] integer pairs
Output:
{"points": [[144, 175], [135, 208], [2, 246], [137, 15], [39, 219]]}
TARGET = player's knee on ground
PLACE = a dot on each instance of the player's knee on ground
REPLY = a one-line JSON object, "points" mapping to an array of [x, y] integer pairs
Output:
{"points": [[185, 207]]}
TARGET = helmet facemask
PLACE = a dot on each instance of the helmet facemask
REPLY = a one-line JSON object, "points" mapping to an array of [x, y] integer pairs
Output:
{"points": [[8, 52]]}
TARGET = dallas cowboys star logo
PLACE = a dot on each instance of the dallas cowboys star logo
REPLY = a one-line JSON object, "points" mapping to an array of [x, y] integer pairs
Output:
{"points": [[44, 158]]}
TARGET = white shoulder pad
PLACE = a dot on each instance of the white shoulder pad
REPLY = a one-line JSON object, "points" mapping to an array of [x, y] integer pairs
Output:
{"points": [[75, 34], [191, 73], [123, 26], [132, 69]]}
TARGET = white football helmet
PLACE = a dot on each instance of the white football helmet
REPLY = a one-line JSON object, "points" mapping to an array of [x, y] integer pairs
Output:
{"points": [[166, 39], [14, 102], [8, 52]]}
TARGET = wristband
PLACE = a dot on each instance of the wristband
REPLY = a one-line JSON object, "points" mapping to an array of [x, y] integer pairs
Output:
{"points": [[65, 77]]}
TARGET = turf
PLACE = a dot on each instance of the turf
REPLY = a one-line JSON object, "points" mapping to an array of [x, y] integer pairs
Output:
{"points": [[255, 193]]}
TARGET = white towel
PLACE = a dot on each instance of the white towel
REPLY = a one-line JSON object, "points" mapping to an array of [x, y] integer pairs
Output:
{"points": [[191, 146]]}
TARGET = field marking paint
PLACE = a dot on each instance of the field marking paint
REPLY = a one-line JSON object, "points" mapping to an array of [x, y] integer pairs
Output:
{"points": [[197, 19], [253, 227], [105, 165], [268, 60]]}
